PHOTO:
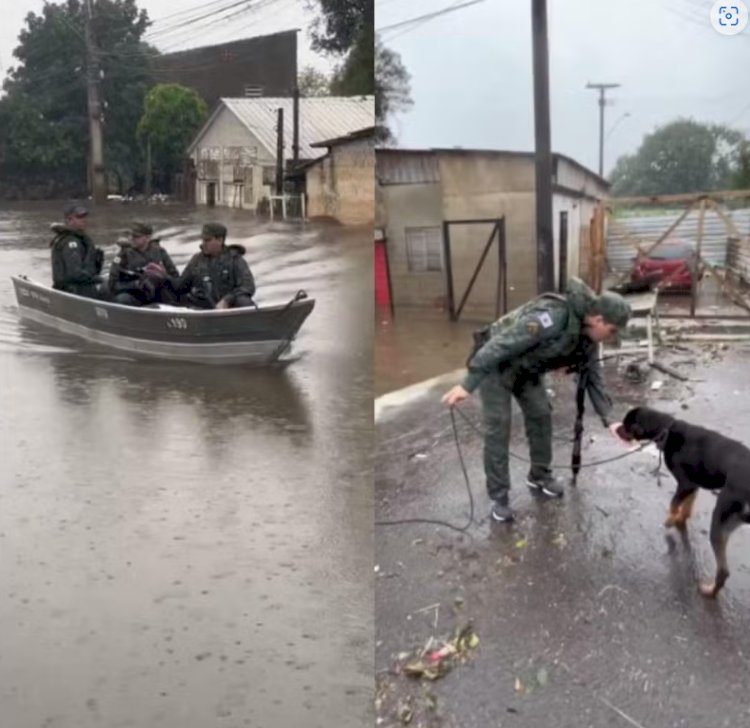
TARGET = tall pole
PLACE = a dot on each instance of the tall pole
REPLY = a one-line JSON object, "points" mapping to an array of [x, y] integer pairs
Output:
{"points": [[280, 153], [602, 103], [97, 173], [148, 168], [295, 127], [545, 264]]}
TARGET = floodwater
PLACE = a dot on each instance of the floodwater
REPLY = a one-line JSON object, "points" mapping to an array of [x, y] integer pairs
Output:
{"points": [[182, 545]]}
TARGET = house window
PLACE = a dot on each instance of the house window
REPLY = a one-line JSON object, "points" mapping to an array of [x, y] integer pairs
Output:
{"points": [[252, 91], [424, 249]]}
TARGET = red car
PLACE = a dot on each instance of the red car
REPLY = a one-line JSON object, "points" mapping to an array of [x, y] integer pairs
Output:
{"points": [[670, 266]]}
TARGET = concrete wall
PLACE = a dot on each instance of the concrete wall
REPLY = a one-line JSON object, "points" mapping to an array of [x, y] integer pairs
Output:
{"points": [[226, 131], [480, 186], [411, 206], [342, 184]]}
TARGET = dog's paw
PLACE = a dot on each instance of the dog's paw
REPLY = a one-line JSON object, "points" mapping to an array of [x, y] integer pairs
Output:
{"points": [[708, 590]]}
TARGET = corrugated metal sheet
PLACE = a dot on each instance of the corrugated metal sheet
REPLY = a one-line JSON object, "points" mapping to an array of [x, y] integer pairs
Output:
{"points": [[738, 259], [320, 118], [398, 167], [647, 228]]}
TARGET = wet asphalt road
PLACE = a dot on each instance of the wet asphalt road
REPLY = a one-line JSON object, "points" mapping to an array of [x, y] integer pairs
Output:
{"points": [[587, 610], [186, 546]]}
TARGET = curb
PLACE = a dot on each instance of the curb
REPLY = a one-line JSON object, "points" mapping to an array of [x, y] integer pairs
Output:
{"points": [[413, 392]]}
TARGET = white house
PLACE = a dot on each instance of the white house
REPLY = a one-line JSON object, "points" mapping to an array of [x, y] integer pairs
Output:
{"points": [[235, 151]]}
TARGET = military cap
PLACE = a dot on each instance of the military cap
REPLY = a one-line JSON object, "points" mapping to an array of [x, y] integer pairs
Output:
{"points": [[613, 308], [75, 210], [213, 230], [140, 228]]}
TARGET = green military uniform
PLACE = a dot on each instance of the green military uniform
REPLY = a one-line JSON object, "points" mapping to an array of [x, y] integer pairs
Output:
{"points": [[76, 262], [207, 279], [130, 284], [546, 333]]}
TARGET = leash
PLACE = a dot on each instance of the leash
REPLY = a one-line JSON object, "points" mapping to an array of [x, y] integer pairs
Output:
{"points": [[471, 520], [435, 521]]}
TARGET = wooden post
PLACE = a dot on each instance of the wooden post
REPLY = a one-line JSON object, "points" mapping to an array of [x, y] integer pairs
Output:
{"points": [[697, 263]]}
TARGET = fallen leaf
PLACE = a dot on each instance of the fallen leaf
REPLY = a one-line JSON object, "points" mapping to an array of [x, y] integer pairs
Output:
{"points": [[542, 677], [522, 543], [519, 685], [473, 640]]}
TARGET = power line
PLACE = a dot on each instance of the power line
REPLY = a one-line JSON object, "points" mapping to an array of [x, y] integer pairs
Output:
{"points": [[192, 21], [429, 16], [187, 11]]}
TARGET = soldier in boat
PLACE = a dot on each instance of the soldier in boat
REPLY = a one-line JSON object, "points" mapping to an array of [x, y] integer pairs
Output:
{"points": [[218, 276], [142, 271], [76, 261]]}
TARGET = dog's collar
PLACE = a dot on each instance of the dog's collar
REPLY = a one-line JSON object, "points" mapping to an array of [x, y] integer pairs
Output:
{"points": [[661, 439]]}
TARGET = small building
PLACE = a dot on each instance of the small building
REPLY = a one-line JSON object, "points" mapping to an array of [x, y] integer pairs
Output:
{"points": [[436, 217], [341, 184], [235, 152]]}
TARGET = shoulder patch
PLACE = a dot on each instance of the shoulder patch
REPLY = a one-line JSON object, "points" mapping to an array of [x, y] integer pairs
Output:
{"points": [[72, 244], [545, 319], [533, 327]]}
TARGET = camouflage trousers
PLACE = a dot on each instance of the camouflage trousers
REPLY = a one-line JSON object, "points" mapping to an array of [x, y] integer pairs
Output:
{"points": [[497, 392]]}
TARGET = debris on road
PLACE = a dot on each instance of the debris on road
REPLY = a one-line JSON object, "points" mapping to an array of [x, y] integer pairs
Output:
{"points": [[434, 662]]}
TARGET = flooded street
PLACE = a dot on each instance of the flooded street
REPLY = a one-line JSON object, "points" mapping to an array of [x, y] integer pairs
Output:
{"points": [[183, 545]]}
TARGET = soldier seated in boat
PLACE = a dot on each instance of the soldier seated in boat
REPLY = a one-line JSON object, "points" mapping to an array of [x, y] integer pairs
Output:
{"points": [[76, 261], [218, 276], [142, 271]]}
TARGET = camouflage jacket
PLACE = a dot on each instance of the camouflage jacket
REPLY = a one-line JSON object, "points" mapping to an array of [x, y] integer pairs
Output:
{"points": [[542, 335], [127, 266], [216, 277], [76, 261]]}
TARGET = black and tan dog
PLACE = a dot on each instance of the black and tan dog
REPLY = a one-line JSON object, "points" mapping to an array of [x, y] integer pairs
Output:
{"points": [[698, 458]]}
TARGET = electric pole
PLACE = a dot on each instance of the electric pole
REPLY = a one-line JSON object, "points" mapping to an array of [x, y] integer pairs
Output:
{"points": [[545, 264], [602, 103], [280, 152], [97, 173]]}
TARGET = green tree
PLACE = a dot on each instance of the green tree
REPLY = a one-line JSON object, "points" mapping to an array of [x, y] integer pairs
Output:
{"points": [[681, 157], [392, 89], [49, 83], [347, 28], [312, 82], [741, 174], [172, 115]]}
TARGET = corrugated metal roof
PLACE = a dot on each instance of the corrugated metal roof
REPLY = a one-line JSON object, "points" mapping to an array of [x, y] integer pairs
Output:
{"points": [[401, 167], [320, 118], [621, 250], [420, 166]]}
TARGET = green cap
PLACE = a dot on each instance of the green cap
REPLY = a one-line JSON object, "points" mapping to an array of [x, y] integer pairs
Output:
{"points": [[140, 228], [213, 230], [613, 308], [75, 210]]}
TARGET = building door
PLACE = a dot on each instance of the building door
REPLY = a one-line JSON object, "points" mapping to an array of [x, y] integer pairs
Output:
{"points": [[211, 194]]}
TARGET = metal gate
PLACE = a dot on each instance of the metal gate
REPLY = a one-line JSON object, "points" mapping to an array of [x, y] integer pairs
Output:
{"points": [[496, 235]]}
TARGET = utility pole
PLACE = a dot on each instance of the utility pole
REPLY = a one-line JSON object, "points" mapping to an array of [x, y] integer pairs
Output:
{"points": [[148, 168], [295, 127], [280, 153], [602, 103], [545, 264], [97, 173]]}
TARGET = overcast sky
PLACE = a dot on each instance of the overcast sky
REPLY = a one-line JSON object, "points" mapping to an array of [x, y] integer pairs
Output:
{"points": [[472, 72], [270, 17]]}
